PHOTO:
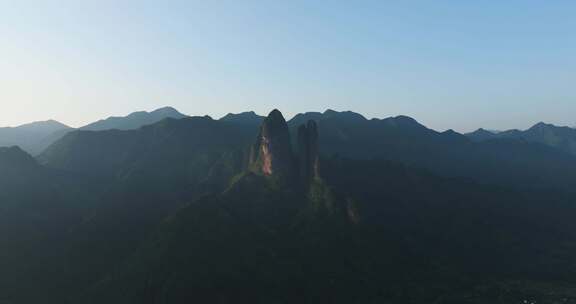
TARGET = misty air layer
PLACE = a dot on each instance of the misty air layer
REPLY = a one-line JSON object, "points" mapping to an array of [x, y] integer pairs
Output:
{"points": [[326, 207]]}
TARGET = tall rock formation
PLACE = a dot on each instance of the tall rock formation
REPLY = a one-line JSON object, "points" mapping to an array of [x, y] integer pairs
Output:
{"points": [[308, 151], [272, 153]]}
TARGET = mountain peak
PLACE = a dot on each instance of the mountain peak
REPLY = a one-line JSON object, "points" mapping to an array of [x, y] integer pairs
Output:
{"points": [[406, 120], [276, 115], [245, 113], [272, 152], [542, 125], [47, 126], [134, 120], [483, 131], [403, 121], [345, 115], [167, 111], [249, 117], [481, 135]]}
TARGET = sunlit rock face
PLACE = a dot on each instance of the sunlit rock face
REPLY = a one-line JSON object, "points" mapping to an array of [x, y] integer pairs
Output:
{"points": [[308, 150], [272, 152]]}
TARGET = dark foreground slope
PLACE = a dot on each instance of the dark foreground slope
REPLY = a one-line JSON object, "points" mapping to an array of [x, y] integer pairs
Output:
{"points": [[203, 211], [253, 243], [361, 231], [38, 207], [149, 173], [382, 233]]}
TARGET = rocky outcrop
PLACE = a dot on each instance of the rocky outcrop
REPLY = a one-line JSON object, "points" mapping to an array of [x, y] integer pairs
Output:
{"points": [[272, 154], [308, 151]]}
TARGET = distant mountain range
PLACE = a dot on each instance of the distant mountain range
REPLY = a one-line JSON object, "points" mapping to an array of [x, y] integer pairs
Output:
{"points": [[36, 137], [134, 120], [562, 138], [244, 118], [323, 208], [33, 137], [349, 134]]}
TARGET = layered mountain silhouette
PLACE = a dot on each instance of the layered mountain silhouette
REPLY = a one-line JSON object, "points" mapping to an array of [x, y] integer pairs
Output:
{"points": [[482, 135], [134, 120], [244, 118], [33, 137], [403, 139], [14, 160], [562, 138], [323, 208], [36, 137], [357, 229]]}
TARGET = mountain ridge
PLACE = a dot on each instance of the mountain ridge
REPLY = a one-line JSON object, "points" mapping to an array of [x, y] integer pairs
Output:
{"points": [[32, 137], [249, 117], [133, 120], [560, 137], [358, 228]]}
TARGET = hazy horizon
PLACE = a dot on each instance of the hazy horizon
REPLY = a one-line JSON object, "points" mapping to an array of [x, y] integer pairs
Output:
{"points": [[449, 65], [287, 115]]}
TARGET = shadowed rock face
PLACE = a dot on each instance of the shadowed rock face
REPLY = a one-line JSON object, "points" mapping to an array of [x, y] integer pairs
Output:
{"points": [[272, 152], [308, 150]]}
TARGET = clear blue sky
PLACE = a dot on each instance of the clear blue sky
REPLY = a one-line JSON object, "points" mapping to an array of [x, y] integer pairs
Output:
{"points": [[449, 64]]}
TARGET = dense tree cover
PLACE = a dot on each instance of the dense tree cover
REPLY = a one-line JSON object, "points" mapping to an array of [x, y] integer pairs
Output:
{"points": [[176, 212], [390, 234]]}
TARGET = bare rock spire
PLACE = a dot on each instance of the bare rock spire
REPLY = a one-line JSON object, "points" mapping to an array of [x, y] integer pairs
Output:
{"points": [[272, 153]]}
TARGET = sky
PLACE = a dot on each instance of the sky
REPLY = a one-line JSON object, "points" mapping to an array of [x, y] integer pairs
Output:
{"points": [[449, 64]]}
